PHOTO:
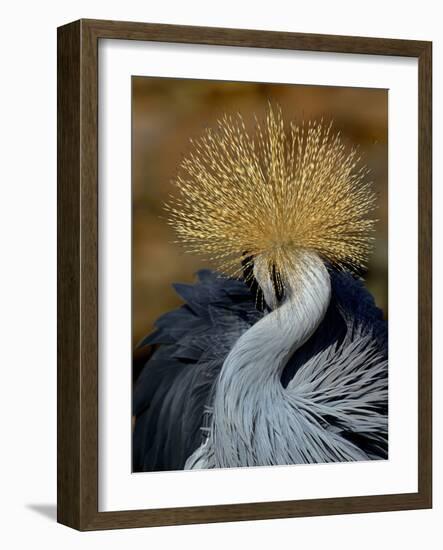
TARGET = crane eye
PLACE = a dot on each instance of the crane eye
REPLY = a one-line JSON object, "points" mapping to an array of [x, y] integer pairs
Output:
{"points": [[277, 283]]}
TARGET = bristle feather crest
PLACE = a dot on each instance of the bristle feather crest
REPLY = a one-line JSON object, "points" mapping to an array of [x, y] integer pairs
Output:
{"points": [[285, 189]]}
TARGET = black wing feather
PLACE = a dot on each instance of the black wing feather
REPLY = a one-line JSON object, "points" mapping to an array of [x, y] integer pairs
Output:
{"points": [[173, 392]]}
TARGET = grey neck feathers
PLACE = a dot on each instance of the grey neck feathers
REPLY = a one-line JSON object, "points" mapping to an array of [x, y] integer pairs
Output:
{"points": [[251, 407]]}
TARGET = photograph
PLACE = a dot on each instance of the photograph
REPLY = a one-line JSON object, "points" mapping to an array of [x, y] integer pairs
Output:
{"points": [[259, 274], [244, 270], [219, 229]]}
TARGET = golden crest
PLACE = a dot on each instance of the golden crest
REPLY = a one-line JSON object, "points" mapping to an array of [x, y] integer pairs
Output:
{"points": [[278, 191]]}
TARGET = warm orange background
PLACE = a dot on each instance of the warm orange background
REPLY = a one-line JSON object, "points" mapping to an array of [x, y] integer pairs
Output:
{"points": [[168, 112]]}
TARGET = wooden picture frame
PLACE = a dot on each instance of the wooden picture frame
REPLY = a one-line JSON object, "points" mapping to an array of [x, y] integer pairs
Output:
{"points": [[78, 274]]}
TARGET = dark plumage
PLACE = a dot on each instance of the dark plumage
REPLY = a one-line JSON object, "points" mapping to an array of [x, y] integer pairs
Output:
{"points": [[173, 393]]}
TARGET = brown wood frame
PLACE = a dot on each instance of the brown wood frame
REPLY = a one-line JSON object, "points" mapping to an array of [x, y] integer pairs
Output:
{"points": [[77, 455]]}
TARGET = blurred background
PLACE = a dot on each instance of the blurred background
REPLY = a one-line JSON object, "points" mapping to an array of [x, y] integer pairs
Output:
{"points": [[166, 113]]}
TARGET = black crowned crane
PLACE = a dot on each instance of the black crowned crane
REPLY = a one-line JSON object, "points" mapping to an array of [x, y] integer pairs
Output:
{"points": [[283, 359]]}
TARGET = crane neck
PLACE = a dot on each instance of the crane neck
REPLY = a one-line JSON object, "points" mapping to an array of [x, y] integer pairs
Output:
{"points": [[251, 406], [250, 402], [266, 347]]}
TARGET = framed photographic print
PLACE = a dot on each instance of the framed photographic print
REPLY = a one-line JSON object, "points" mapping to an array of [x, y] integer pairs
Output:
{"points": [[244, 275]]}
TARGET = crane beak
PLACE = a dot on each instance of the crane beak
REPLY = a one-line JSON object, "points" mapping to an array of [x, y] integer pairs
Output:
{"points": [[269, 281], [264, 282], [251, 281]]}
